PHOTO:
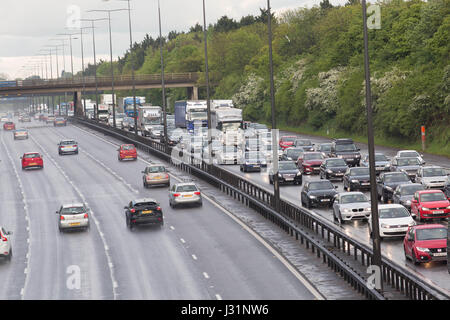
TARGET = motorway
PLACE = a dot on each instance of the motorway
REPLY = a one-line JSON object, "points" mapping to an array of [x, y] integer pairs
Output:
{"points": [[199, 253], [434, 273]]}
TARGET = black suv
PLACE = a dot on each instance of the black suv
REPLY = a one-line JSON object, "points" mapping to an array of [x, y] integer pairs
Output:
{"points": [[387, 182], [357, 179], [333, 169], [318, 193], [143, 211], [347, 150]]}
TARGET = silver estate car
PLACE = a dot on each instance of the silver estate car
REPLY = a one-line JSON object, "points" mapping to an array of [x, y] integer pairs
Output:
{"points": [[184, 193], [73, 216]]}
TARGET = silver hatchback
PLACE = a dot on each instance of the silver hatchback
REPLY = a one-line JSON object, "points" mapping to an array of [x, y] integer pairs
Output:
{"points": [[184, 193], [73, 216]]}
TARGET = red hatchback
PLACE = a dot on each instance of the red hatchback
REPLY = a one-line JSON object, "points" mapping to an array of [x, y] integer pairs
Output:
{"points": [[430, 204], [425, 243], [127, 151], [9, 126], [287, 141], [32, 160]]}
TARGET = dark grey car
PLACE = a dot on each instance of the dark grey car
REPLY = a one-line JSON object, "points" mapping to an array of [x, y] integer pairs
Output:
{"points": [[404, 193], [333, 169]]}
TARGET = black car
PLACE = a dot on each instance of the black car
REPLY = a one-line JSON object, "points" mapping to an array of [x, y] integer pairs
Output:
{"points": [[287, 173], [404, 193], [357, 179], [388, 181], [307, 145], [406, 165], [447, 190], [333, 169], [173, 137], [318, 193], [347, 150], [143, 211], [324, 148], [291, 154]]}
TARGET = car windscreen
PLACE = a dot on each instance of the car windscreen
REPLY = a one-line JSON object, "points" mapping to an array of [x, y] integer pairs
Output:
{"points": [[187, 188], [128, 147], [282, 166], [410, 190], [392, 213], [325, 147], [66, 143], [408, 154], [434, 196], [313, 156], [345, 147], [321, 185], [381, 157], [303, 143], [156, 169], [142, 205], [431, 234], [254, 155], [396, 178], [336, 163], [408, 162], [434, 172], [288, 139], [73, 210], [293, 153], [353, 198], [32, 155], [359, 171]]}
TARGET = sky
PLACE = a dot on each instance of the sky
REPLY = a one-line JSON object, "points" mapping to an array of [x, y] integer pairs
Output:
{"points": [[27, 26]]}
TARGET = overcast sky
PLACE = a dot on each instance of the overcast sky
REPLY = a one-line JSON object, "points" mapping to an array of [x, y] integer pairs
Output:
{"points": [[28, 25]]}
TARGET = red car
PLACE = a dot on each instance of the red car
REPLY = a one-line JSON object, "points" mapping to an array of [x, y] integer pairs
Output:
{"points": [[287, 141], [430, 204], [9, 126], [424, 243], [310, 162], [32, 160], [127, 151]]}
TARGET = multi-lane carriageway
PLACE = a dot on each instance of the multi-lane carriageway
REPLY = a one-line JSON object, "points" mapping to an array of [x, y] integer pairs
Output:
{"points": [[200, 253]]}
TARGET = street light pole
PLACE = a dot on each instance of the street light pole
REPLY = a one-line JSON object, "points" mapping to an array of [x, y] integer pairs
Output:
{"points": [[163, 81], [276, 185], [208, 101], [376, 260]]}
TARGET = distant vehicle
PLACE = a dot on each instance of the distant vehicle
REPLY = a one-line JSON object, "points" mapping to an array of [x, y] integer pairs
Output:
{"points": [[128, 123], [227, 120], [252, 161], [185, 193], [318, 194], [189, 113], [404, 194], [430, 204], [394, 221], [9, 125], [142, 212], [32, 160], [267, 150], [227, 155], [156, 131], [119, 119], [382, 163], [288, 172], [127, 152], [73, 216], [348, 206], [128, 105], [291, 154], [310, 162], [425, 243], [287, 141], [253, 145], [409, 154], [333, 169], [406, 165], [387, 182], [357, 179], [148, 118], [20, 134], [173, 137], [155, 174], [50, 119], [103, 112], [347, 150], [26, 118], [60, 122], [306, 144], [432, 177], [324, 148], [67, 146], [5, 244]]}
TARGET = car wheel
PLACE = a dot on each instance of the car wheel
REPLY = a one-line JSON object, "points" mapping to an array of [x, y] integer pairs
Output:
{"points": [[308, 204], [10, 255], [320, 175], [413, 258]]}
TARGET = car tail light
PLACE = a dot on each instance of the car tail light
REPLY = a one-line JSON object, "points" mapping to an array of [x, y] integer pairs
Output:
{"points": [[197, 193], [158, 208], [86, 216], [176, 194], [61, 218], [133, 210], [167, 176], [4, 239]]}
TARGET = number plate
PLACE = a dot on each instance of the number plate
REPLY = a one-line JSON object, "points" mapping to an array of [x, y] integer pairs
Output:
{"points": [[289, 179], [147, 212], [325, 200], [74, 224], [187, 196], [33, 164], [440, 254], [438, 212], [365, 184]]}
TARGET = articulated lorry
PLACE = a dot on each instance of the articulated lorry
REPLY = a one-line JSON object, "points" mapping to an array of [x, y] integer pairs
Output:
{"points": [[128, 105], [190, 114], [148, 116], [227, 120]]}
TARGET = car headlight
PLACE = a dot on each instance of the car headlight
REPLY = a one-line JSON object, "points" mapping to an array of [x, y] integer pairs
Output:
{"points": [[448, 207], [299, 174], [340, 156], [423, 249], [389, 188], [358, 156], [367, 209], [347, 210], [385, 226], [280, 175], [354, 181], [247, 163], [329, 171], [312, 197], [408, 202], [289, 158], [412, 223], [425, 209]]}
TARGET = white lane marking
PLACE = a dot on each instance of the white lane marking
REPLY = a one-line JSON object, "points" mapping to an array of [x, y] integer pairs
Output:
{"points": [[182, 240], [194, 257], [172, 228], [205, 275], [93, 216], [218, 297], [27, 218], [281, 258]]}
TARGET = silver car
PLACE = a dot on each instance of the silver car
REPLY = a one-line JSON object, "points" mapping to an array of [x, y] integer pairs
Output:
{"points": [[432, 177], [5, 244], [185, 193], [348, 206], [73, 216], [67, 146]]}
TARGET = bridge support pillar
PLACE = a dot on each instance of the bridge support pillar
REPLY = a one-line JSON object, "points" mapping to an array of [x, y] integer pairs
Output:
{"points": [[77, 105], [192, 93]]}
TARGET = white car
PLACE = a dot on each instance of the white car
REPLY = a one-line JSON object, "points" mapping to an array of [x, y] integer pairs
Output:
{"points": [[5, 244], [119, 119], [348, 206], [227, 155], [432, 177], [185, 193], [73, 216], [394, 220], [409, 154]]}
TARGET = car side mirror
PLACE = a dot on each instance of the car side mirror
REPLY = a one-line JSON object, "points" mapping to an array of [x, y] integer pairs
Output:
{"points": [[57, 212]]}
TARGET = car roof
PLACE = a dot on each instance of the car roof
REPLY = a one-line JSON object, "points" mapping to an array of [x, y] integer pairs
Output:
{"points": [[185, 184], [430, 191], [144, 200], [391, 205], [32, 152], [350, 193], [74, 204], [429, 226]]}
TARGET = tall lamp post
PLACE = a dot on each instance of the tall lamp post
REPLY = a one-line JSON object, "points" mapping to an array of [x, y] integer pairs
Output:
{"points": [[208, 101], [112, 65], [163, 81]]}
